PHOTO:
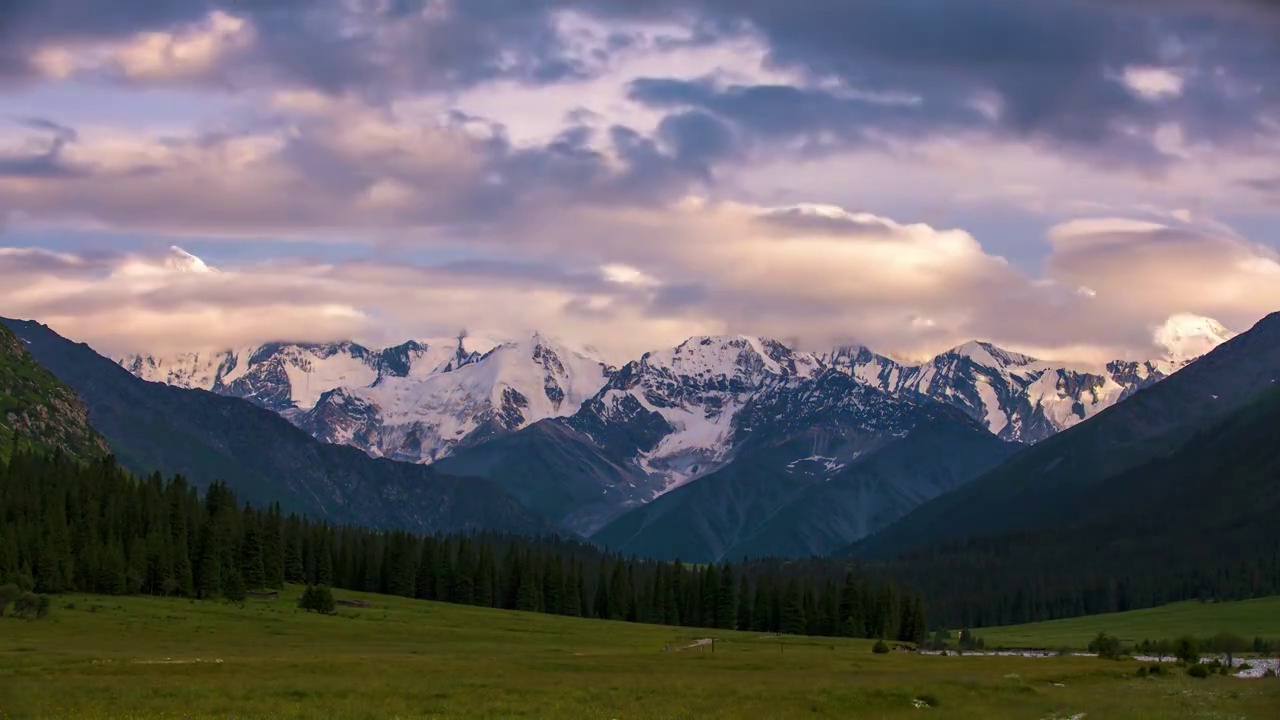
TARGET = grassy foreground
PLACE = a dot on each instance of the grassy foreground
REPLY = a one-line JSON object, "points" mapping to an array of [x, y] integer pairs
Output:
{"points": [[1247, 618], [158, 658]]}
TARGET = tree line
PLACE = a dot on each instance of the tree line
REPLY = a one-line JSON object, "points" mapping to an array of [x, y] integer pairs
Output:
{"points": [[72, 527]]}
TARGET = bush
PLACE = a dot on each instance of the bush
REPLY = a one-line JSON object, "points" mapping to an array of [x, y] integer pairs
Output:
{"points": [[1187, 650], [880, 648], [31, 606], [1198, 671], [319, 598], [234, 590], [1155, 669], [8, 594], [1107, 646], [929, 700]]}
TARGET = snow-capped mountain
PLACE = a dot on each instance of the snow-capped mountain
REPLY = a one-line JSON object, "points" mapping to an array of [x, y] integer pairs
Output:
{"points": [[816, 463], [413, 402], [419, 400], [422, 416], [290, 377], [1021, 398], [674, 409], [1186, 337]]}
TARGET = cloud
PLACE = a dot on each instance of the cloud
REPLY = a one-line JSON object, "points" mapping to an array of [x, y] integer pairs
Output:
{"points": [[1141, 271], [1153, 83], [1043, 71], [703, 267], [324, 165], [39, 157]]}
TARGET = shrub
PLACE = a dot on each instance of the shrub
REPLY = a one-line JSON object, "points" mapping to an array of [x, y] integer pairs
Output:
{"points": [[1155, 669], [1107, 646], [929, 700], [31, 606], [1187, 650], [880, 648], [1198, 671], [234, 590], [319, 598], [8, 594]]}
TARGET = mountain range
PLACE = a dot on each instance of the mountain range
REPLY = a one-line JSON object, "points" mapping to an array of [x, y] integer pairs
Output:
{"points": [[1047, 483], [721, 446], [796, 452], [206, 437]]}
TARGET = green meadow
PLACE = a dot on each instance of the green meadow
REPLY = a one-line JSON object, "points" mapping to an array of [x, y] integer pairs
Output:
{"points": [[141, 657], [1246, 618]]}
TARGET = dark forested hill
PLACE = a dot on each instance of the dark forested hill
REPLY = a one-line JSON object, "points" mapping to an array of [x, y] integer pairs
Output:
{"points": [[36, 410], [206, 437], [1039, 486], [1199, 522]]}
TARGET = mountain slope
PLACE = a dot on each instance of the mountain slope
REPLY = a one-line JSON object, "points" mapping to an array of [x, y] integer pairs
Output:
{"points": [[797, 441], [424, 416], [262, 457], [558, 471], [37, 410], [1197, 522], [416, 401], [1031, 488]]}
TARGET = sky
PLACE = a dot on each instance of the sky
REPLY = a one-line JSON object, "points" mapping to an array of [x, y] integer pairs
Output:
{"points": [[1058, 177]]}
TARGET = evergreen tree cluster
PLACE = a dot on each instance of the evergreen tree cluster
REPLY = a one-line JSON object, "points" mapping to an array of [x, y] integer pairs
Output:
{"points": [[65, 526]]}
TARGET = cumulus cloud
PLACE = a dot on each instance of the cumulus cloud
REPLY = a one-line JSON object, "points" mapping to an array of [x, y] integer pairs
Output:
{"points": [[322, 164], [706, 267], [196, 51], [640, 170]]}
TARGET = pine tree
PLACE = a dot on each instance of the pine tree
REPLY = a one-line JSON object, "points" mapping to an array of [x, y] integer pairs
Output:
{"points": [[208, 572], [486, 577], [425, 579], [793, 617], [529, 586], [251, 555], [726, 600], [760, 609], [324, 564], [464, 575], [572, 603], [618, 593], [295, 571], [744, 604], [234, 588]]}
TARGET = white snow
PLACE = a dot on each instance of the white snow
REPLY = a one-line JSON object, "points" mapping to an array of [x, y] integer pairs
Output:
{"points": [[443, 407], [180, 260], [995, 417], [1185, 337], [312, 375]]}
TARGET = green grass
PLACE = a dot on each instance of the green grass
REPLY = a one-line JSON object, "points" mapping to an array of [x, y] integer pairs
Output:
{"points": [[1247, 618], [157, 658]]}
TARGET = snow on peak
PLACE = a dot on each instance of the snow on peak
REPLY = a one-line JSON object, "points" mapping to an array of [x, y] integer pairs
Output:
{"points": [[984, 353], [180, 260], [1185, 336]]}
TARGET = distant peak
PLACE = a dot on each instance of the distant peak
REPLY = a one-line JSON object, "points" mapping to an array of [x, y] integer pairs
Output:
{"points": [[1186, 336], [180, 260], [985, 353]]}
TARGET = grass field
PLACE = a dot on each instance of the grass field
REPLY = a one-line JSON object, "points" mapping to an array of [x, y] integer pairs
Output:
{"points": [[1247, 618], [112, 657]]}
